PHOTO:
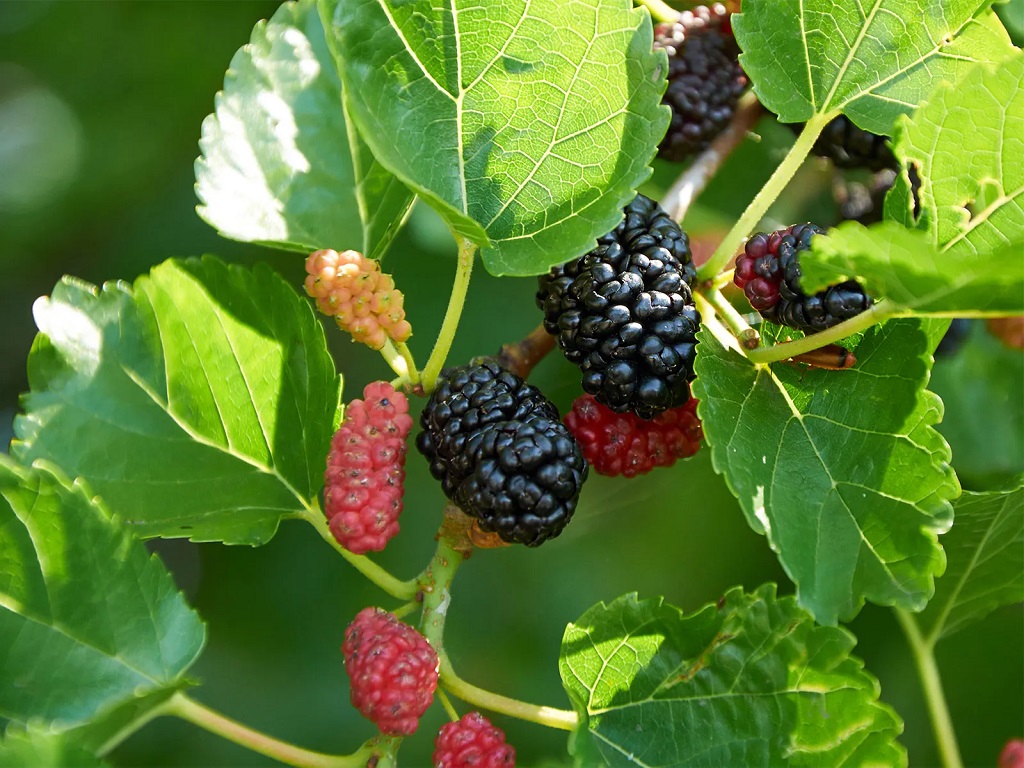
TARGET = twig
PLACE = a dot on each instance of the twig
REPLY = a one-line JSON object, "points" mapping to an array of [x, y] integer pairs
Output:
{"points": [[520, 357], [695, 178]]}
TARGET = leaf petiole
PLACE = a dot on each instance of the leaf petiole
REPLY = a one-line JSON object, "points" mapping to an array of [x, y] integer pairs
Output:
{"points": [[924, 657], [400, 590], [192, 711], [769, 193], [881, 311], [467, 252]]}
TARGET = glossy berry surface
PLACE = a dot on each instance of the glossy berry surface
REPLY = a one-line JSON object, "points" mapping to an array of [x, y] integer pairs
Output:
{"points": [[623, 444], [769, 273], [705, 80], [364, 480], [624, 313], [472, 742], [392, 670], [501, 453]]}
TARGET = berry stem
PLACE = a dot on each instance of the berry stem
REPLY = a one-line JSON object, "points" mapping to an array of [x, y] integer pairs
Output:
{"points": [[763, 200], [410, 362], [562, 719], [192, 711], [695, 178], [709, 320], [876, 314], [448, 706], [400, 590], [748, 337], [928, 670], [397, 361], [467, 252], [660, 11], [520, 357]]}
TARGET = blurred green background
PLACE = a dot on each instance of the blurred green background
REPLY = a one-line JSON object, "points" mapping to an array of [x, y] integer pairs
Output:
{"points": [[100, 109]]}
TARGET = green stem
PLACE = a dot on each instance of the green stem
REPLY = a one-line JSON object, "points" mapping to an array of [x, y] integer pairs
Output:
{"points": [[435, 584], [763, 201], [562, 719], [467, 252], [132, 727], [709, 320], [396, 361], [400, 590], [660, 11], [410, 362], [879, 312], [928, 670], [748, 337], [182, 706]]}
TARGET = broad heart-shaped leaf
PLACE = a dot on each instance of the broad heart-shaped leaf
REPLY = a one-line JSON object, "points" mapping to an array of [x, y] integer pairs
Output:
{"points": [[965, 145], [872, 61], [527, 124], [751, 681], [843, 471], [20, 748], [905, 267], [279, 166], [89, 621], [985, 554], [198, 403]]}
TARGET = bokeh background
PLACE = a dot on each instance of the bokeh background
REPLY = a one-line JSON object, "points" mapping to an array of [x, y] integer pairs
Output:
{"points": [[100, 109]]}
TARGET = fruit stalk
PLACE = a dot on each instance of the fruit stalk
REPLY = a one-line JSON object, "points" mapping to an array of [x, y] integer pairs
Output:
{"points": [[467, 252], [660, 11], [763, 200]]}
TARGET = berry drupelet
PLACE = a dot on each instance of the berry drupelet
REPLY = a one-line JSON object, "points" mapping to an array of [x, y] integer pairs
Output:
{"points": [[769, 274], [705, 79], [624, 313], [501, 453]]}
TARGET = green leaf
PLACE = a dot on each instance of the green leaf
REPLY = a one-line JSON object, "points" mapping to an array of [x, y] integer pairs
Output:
{"points": [[527, 125], [199, 403], [985, 551], [41, 749], [982, 389], [750, 681], [871, 61], [904, 266], [277, 167], [89, 621], [965, 145], [843, 471]]}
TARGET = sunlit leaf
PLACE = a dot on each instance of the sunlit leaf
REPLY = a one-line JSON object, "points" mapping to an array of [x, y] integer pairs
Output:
{"points": [[197, 403], [872, 61], [905, 267], [843, 471], [89, 621], [985, 551], [276, 165], [21, 748], [751, 681], [526, 124]]}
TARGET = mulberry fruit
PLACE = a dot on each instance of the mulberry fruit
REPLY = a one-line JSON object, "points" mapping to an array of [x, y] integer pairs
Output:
{"points": [[472, 742], [623, 444], [392, 670], [501, 453], [705, 79], [624, 313], [363, 483], [769, 274], [362, 300], [848, 146]]}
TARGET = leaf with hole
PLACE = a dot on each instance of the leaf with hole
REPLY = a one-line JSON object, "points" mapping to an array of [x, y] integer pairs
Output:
{"points": [[527, 124], [750, 681], [197, 403]]}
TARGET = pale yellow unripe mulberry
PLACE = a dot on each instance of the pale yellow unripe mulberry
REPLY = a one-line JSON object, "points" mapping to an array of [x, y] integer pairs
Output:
{"points": [[362, 300]]}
